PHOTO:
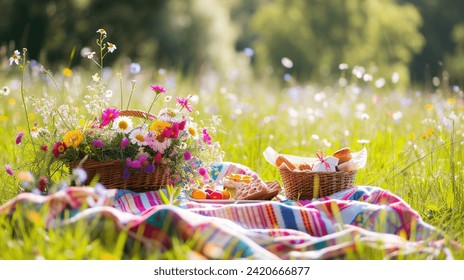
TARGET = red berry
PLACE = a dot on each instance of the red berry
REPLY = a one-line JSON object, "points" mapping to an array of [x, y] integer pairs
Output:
{"points": [[216, 195]]}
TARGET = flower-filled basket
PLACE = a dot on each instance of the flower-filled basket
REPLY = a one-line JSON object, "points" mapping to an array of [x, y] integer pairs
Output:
{"points": [[306, 178], [118, 174]]}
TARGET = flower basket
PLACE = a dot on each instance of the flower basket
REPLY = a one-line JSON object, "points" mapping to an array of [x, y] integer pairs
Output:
{"points": [[114, 175], [301, 185], [111, 175]]}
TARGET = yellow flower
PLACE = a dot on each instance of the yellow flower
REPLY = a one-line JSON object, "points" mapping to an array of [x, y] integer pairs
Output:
{"points": [[11, 102], [412, 136], [428, 107], [158, 126], [192, 131], [73, 138], [430, 131], [3, 118], [67, 72], [451, 101]]}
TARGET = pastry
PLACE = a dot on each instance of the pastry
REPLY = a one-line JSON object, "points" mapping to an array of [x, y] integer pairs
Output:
{"points": [[281, 160], [258, 190], [234, 181], [305, 166], [343, 155]]}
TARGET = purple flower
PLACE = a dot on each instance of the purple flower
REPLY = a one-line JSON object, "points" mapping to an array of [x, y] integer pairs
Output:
{"points": [[19, 137], [98, 143], [124, 142], [184, 103], [206, 137], [150, 168], [108, 115], [158, 89], [125, 173], [187, 155], [9, 170]]}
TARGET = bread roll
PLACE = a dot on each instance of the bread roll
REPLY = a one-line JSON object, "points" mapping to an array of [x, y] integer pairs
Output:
{"points": [[343, 155]]}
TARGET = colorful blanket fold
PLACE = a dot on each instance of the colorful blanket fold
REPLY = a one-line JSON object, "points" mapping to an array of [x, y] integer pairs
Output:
{"points": [[344, 225]]}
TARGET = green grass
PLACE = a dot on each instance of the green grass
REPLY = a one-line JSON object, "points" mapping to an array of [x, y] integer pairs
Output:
{"points": [[295, 119]]}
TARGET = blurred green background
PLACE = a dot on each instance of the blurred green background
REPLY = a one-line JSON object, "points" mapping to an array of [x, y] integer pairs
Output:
{"points": [[307, 39]]}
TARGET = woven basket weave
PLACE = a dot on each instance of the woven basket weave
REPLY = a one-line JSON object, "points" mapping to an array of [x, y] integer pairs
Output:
{"points": [[110, 173], [309, 185]]}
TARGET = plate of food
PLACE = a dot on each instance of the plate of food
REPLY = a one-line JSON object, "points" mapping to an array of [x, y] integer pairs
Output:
{"points": [[236, 188]]}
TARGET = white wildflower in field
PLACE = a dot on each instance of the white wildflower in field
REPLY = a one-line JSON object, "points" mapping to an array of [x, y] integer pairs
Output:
{"points": [[111, 47], [15, 58], [101, 31], [286, 62], [85, 51], [108, 93], [343, 66], [379, 83], [90, 55], [5, 91]]}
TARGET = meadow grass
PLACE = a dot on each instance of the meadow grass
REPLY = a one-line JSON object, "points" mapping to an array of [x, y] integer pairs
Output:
{"points": [[414, 141]]}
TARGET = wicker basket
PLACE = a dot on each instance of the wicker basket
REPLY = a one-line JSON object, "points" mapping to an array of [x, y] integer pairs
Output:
{"points": [[308, 185], [110, 173]]}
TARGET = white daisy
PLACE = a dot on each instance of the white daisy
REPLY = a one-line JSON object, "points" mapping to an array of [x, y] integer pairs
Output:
{"points": [[123, 124], [5, 91], [101, 31], [111, 47], [138, 136], [15, 58]]}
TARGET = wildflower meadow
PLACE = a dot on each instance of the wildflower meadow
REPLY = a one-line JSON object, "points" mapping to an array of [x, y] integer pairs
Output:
{"points": [[414, 138]]}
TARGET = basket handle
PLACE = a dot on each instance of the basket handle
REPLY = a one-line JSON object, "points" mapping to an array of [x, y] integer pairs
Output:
{"points": [[137, 114]]}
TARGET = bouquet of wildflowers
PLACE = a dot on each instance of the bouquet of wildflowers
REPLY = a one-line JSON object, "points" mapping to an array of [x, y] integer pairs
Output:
{"points": [[101, 132]]}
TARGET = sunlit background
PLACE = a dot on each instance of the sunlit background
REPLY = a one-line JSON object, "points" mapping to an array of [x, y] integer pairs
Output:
{"points": [[295, 39]]}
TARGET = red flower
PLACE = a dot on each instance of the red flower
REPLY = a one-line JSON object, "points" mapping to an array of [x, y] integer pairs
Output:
{"points": [[43, 181], [58, 149]]}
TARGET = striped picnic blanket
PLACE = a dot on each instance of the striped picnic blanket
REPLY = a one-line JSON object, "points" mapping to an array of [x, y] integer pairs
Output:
{"points": [[340, 226]]}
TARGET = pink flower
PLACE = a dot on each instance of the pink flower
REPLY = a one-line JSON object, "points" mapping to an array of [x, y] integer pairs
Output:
{"points": [[158, 89], [206, 137], [44, 148], [202, 171], [109, 114], [187, 155], [8, 169], [171, 132], [184, 103], [158, 157], [98, 143], [124, 142], [19, 137], [58, 149], [182, 124]]}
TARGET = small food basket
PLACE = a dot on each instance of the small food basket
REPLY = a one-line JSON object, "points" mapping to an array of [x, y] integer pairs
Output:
{"points": [[305, 178]]}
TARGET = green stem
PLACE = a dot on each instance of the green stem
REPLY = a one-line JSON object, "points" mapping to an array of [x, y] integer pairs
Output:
{"points": [[130, 96], [23, 70], [153, 102], [120, 85], [56, 85]]}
